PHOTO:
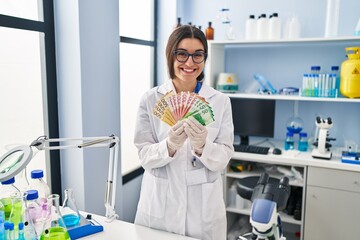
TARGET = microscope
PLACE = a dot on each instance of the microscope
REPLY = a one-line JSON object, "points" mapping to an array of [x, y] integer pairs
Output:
{"points": [[322, 144], [268, 198]]}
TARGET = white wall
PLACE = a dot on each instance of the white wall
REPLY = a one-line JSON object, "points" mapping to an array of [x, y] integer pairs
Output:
{"points": [[87, 48]]}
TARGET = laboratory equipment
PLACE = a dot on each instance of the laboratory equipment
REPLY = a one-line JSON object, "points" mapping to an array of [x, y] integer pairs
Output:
{"points": [[262, 27], [69, 210], [6, 190], [16, 159], [250, 28], [17, 210], [289, 91], [37, 183], [227, 82], [35, 213], [274, 26], [303, 142], [294, 124], [266, 87], [332, 18], [357, 28], [178, 24], [289, 143], [322, 145], [209, 32], [54, 227], [2, 221], [350, 73], [21, 235], [268, 196]]}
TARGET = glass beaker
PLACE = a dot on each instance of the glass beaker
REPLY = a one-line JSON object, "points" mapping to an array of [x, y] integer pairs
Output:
{"points": [[69, 210], [54, 227]]}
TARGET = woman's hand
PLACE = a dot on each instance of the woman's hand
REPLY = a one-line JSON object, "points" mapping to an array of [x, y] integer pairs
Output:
{"points": [[176, 138], [197, 134]]}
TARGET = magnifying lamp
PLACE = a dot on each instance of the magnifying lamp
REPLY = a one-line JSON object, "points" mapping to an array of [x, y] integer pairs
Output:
{"points": [[15, 160]]}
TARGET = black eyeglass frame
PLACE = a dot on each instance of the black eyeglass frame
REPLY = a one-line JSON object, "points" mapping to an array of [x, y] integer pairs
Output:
{"points": [[190, 54]]}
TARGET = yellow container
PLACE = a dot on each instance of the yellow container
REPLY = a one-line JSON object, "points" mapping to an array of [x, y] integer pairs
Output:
{"points": [[350, 73]]}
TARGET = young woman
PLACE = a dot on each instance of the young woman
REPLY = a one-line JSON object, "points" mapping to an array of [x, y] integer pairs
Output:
{"points": [[182, 189]]}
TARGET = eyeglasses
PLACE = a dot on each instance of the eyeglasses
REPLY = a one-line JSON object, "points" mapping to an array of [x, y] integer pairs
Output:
{"points": [[197, 57]]}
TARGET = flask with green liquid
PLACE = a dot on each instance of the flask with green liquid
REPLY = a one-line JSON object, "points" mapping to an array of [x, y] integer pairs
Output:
{"points": [[54, 227]]}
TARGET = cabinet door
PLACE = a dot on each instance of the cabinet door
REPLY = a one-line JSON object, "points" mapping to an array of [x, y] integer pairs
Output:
{"points": [[331, 214]]}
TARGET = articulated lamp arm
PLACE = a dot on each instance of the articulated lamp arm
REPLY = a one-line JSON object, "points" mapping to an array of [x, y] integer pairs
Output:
{"points": [[112, 142]]}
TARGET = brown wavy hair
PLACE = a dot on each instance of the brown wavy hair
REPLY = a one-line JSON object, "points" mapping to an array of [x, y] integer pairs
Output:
{"points": [[184, 31]]}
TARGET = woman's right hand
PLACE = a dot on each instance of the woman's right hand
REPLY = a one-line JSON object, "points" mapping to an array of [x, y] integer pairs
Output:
{"points": [[176, 138]]}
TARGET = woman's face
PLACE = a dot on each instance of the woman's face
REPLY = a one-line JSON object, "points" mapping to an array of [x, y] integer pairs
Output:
{"points": [[188, 71]]}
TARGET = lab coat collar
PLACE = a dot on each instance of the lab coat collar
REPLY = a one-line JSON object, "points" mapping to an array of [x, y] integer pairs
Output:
{"points": [[205, 91]]}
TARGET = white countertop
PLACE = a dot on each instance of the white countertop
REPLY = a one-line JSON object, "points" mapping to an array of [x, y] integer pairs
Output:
{"points": [[123, 230], [297, 158]]}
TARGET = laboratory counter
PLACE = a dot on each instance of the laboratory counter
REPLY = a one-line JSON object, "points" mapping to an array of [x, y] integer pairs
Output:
{"points": [[117, 230], [297, 158]]}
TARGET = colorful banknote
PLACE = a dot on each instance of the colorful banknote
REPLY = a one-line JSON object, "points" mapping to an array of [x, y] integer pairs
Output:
{"points": [[173, 107]]}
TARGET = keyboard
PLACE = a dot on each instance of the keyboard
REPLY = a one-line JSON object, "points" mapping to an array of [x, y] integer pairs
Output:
{"points": [[251, 149]]}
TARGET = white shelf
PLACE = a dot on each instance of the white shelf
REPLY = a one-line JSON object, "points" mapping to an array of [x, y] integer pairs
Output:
{"points": [[292, 98], [292, 182], [289, 42], [284, 217]]}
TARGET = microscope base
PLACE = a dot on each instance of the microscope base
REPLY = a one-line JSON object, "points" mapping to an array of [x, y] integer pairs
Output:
{"points": [[316, 154]]}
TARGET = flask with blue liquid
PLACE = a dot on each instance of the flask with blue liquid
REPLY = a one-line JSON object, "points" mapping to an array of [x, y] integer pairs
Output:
{"points": [[289, 141], [303, 142], [69, 210]]}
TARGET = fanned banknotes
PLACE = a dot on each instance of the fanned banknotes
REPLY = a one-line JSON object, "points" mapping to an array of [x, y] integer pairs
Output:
{"points": [[173, 107]]}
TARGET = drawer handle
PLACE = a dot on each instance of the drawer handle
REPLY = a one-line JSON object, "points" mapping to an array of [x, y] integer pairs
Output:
{"points": [[356, 182]]}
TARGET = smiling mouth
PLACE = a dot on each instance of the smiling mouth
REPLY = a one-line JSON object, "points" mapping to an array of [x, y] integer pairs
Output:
{"points": [[188, 70]]}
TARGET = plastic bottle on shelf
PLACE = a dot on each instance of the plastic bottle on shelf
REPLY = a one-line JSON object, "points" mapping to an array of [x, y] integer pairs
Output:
{"points": [[6, 190], [37, 183], [209, 32], [332, 18], [293, 28], [262, 27], [303, 142], [178, 24], [250, 28], [274, 27], [289, 141], [357, 28]]}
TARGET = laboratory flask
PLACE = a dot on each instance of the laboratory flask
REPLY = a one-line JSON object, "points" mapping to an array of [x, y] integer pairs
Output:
{"points": [[37, 183], [35, 214], [69, 210], [54, 227], [6, 190]]}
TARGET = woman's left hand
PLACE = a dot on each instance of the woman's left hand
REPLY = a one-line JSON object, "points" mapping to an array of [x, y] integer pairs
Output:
{"points": [[197, 134]]}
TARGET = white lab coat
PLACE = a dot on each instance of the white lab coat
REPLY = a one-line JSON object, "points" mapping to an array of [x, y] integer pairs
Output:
{"points": [[176, 196]]}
